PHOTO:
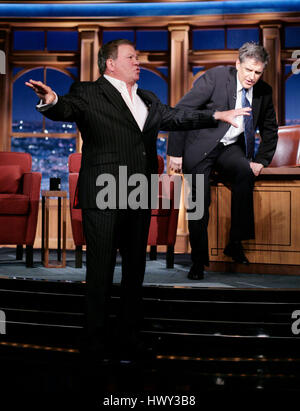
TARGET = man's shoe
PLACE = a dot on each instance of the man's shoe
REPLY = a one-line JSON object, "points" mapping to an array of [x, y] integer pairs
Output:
{"points": [[196, 272], [234, 249]]}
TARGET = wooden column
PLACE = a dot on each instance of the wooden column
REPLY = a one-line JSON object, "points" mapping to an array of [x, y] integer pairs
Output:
{"points": [[179, 50], [88, 54], [271, 41], [89, 46], [5, 101], [179, 85]]}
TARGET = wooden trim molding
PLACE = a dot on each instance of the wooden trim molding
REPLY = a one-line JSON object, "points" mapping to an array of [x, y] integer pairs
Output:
{"points": [[89, 45], [179, 62], [271, 41]]}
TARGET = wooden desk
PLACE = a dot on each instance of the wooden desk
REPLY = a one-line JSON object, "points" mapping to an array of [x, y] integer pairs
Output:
{"points": [[61, 228], [277, 214]]}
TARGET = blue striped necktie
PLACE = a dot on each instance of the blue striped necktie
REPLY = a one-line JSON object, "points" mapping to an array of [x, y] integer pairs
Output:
{"points": [[249, 131]]}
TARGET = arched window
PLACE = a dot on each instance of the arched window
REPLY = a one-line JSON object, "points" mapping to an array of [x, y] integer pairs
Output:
{"points": [[48, 142]]}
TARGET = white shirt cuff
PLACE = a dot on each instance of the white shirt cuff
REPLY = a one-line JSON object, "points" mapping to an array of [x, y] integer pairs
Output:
{"points": [[43, 107]]}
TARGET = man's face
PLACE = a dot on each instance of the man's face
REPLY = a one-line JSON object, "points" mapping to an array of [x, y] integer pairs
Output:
{"points": [[249, 72], [126, 66]]}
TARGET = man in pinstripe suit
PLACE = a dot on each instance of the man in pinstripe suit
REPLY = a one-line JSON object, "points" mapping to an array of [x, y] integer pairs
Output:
{"points": [[119, 124]]}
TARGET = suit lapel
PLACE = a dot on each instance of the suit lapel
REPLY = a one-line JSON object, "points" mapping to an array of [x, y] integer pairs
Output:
{"points": [[231, 93], [116, 99], [231, 86], [256, 102]]}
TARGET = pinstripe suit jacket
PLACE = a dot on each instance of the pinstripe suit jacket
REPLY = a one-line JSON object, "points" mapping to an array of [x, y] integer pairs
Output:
{"points": [[111, 137]]}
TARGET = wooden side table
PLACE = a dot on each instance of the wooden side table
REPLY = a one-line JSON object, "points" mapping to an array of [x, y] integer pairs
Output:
{"points": [[61, 228]]}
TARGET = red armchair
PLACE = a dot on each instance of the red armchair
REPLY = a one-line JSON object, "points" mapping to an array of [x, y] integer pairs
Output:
{"points": [[19, 202], [163, 225]]}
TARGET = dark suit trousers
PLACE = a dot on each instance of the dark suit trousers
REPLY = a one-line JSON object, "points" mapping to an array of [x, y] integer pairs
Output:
{"points": [[105, 232], [232, 165]]}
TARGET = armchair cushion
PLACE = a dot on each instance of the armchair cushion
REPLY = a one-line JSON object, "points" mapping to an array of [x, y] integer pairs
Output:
{"points": [[10, 177], [14, 204]]}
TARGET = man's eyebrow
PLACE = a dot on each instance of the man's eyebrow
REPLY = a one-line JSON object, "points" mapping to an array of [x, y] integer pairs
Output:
{"points": [[256, 71]]}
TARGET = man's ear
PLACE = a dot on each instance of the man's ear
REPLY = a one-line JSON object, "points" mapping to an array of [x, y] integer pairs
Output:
{"points": [[237, 63], [110, 64]]}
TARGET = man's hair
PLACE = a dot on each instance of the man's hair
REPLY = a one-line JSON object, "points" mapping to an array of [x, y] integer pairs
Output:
{"points": [[254, 51], [110, 51]]}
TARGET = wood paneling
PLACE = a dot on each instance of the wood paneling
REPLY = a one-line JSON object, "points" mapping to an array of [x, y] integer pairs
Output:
{"points": [[277, 213]]}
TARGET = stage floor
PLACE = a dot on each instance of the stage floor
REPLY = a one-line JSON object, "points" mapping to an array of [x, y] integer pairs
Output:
{"points": [[156, 273]]}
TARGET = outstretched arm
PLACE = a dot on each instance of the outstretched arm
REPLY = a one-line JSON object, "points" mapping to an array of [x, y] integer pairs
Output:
{"points": [[60, 108]]}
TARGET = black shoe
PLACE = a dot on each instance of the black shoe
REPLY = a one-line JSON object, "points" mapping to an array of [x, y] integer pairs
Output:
{"points": [[234, 249], [196, 272]]}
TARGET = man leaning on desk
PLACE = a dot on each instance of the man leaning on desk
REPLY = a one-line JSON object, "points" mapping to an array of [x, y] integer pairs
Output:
{"points": [[227, 149]]}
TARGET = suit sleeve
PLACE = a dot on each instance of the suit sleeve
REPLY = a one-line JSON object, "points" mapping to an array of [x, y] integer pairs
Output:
{"points": [[182, 119], [69, 107], [190, 113], [268, 129], [195, 99]]}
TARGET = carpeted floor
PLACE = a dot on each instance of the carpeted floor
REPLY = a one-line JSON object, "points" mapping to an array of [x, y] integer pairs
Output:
{"points": [[156, 273]]}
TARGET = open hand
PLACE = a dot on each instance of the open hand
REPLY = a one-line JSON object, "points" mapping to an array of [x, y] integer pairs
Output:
{"points": [[45, 93], [230, 115]]}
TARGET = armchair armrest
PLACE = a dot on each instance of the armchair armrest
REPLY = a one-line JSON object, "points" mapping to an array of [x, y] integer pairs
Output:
{"points": [[32, 185], [75, 214], [32, 188]]}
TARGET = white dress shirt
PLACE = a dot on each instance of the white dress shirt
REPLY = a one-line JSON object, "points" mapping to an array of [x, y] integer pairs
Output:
{"points": [[136, 105], [232, 134]]}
